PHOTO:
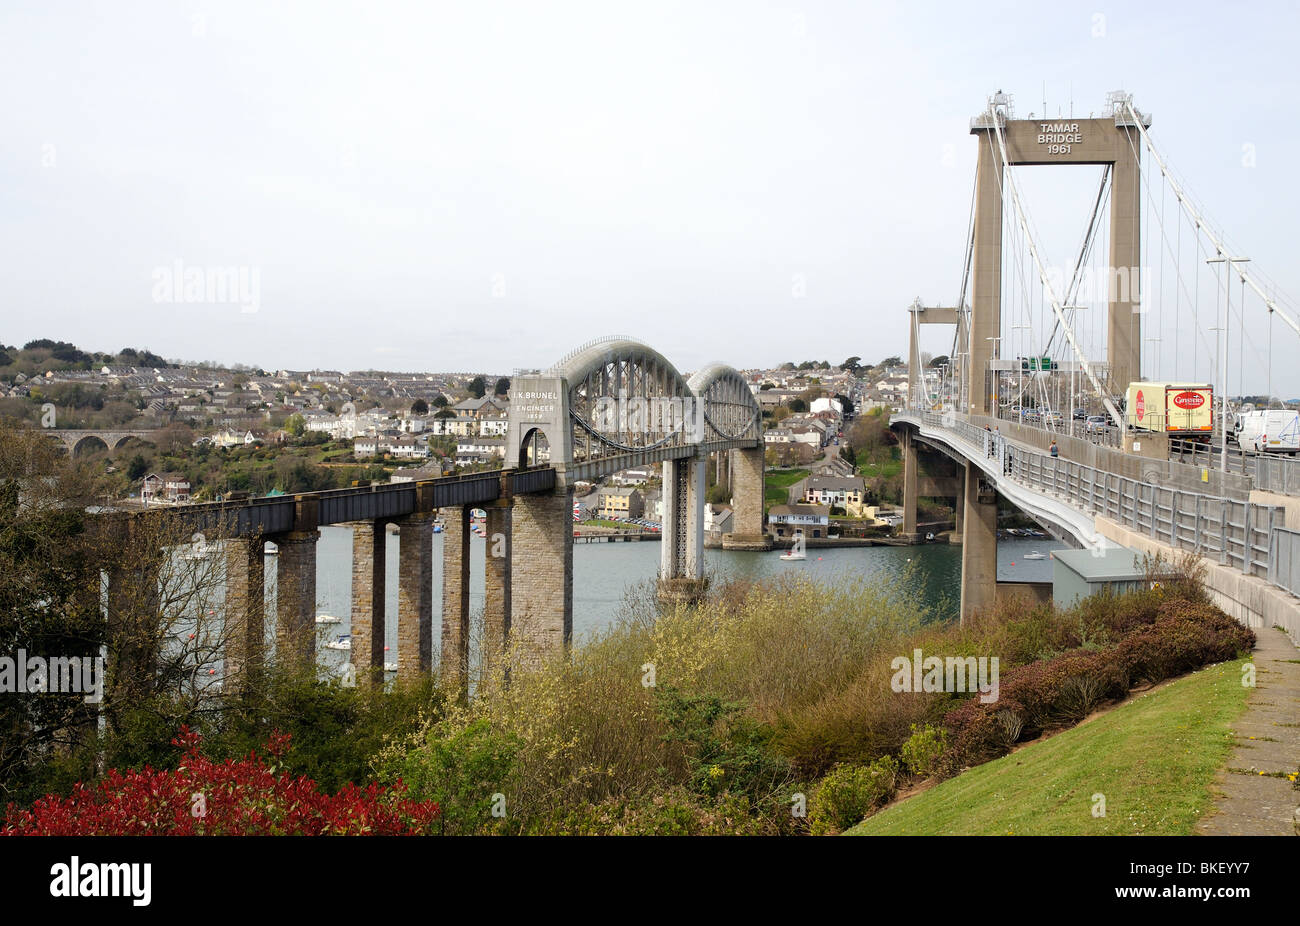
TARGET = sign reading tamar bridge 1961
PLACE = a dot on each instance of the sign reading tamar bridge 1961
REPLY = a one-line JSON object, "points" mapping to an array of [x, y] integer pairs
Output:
{"points": [[1057, 137]]}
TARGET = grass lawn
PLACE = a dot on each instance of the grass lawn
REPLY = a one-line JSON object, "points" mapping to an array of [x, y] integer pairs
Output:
{"points": [[1153, 758], [776, 485]]}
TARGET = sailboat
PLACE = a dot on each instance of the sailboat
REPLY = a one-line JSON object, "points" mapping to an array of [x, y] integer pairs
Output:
{"points": [[795, 553]]}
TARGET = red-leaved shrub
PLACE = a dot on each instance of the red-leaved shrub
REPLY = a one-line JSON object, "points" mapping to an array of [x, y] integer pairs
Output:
{"points": [[1183, 635], [245, 797]]}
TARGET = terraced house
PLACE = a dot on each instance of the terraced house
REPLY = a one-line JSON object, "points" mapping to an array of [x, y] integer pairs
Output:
{"points": [[847, 492]]}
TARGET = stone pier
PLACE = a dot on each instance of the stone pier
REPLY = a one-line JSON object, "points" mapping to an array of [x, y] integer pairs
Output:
{"points": [[295, 596], [415, 595], [745, 471], [497, 581], [541, 586], [245, 632], [455, 597], [368, 590]]}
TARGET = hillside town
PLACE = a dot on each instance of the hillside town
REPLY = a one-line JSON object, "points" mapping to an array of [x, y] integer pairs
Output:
{"points": [[379, 426]]}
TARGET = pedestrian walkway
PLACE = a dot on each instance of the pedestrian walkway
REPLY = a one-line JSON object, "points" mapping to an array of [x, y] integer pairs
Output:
{"points": [[1268, 741]]}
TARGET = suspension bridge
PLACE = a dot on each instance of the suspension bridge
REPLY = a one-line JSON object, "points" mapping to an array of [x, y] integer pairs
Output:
{"points": [[1096, 393]]}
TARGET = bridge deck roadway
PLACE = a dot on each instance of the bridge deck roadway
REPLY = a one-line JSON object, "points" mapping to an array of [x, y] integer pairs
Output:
{"points": [[1052, 510]]}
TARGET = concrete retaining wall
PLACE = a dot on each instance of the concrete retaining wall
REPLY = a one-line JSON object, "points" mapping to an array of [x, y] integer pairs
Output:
{"points": [[1253, 601]]}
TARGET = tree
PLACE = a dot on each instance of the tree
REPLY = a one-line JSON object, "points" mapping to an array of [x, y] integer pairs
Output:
{"points": [[477, 387], [440, 401], [939, 361], [891, 362], [295, 424], [419, 407], [502, 387], [137, 468], [798, 405], [852, 365]]}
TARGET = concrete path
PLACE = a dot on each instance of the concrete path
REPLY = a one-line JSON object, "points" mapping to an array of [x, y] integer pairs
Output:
{"points": [[1268, 740]]}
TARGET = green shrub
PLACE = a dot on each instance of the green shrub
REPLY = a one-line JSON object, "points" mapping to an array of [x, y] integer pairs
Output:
{"points": [[850, 793], [464, 768], [727, 751], [923, 748]]}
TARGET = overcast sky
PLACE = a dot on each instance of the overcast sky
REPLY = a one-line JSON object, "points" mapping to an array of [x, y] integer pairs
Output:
{"points": [[485, 185]]}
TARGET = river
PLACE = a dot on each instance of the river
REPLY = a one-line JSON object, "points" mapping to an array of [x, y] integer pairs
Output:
{"points": [[603, 573]]}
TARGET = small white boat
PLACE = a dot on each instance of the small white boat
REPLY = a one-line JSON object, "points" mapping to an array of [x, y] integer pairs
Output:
{"points": [[390, 667], [793, 555], [1034, 555], [343, 643], [328, 619]]}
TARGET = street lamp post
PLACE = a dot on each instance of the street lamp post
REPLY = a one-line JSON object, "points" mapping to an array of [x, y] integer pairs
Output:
{"points": [[1222, 384], [1020, 378], [1074, 382]]}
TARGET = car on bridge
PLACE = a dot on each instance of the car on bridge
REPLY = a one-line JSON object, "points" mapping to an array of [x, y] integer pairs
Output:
{"points": [[1080, 414], [1096, 424]]}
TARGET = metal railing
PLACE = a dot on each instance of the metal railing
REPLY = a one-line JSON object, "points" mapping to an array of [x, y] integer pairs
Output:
{"points": [[1277, 474], [1284, 560], [1237, 533], [1271, 472], [1069, 427]]}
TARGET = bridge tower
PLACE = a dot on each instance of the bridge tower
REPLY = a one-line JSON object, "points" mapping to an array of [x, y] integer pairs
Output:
{"points": [[610, 405], [1113, 141]]}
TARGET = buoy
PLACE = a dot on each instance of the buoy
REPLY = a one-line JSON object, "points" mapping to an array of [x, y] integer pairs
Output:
{"points": [[1013, 562], [385, 649], [191, 636], [212, 671]]}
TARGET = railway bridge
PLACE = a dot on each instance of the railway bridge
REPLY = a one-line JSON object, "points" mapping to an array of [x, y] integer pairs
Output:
{"points": [[612, 404]]}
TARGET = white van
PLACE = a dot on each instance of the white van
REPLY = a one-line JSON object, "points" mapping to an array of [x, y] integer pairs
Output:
{"points": [[1275, 430]]}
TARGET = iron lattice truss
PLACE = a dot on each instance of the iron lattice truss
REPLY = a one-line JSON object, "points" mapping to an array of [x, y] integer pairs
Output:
{"points": [[730, 411], [626, 398], [629, 400]]}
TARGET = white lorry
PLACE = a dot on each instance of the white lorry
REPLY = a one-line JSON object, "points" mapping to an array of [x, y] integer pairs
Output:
{"points": [[1274, 430]]}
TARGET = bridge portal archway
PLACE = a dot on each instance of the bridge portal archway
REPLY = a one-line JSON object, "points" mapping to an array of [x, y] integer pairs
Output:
{"points": [[1114, 141]]}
